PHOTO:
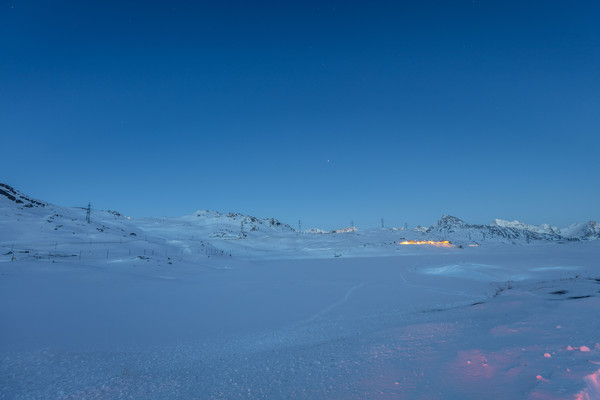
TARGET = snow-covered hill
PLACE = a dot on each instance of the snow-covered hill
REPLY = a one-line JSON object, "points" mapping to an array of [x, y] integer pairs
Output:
{"points": [[234, 222], [544, 228], [585, 230], [10, 197], [27, 219]]}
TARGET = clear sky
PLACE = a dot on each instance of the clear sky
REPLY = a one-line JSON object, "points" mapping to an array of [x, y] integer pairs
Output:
{"points": [[325, 111]]}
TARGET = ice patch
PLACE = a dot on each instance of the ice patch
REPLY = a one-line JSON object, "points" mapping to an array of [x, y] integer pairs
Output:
{"points": [[563, 268], [482, 272]]}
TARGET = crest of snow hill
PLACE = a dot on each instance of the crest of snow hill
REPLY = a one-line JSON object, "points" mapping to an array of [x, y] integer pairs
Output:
{"points": [[236, 220], [10, 195], [448, 227]]}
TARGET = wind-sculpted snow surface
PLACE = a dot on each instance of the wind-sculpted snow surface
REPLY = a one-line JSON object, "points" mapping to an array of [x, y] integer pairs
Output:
{"points": [[502, 322]]}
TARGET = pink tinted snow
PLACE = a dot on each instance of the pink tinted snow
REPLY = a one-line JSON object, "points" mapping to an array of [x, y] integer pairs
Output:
{"points": [[476, 371], [592, 389], [541, 378], [584, 349]]}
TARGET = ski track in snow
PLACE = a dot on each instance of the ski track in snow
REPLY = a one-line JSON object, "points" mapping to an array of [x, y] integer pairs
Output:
{"points": [[402, 276], [337, 303]]}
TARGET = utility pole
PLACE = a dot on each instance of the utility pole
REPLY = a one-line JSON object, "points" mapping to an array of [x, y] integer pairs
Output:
{"points": [[87, 214]]}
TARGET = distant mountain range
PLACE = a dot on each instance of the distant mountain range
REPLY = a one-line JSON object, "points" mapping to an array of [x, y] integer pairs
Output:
{"points": [[234, 225], [449, 227]]}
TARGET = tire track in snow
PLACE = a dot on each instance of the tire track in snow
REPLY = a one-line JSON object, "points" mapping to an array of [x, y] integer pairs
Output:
{"points": [[337, 303], [403, 278]]}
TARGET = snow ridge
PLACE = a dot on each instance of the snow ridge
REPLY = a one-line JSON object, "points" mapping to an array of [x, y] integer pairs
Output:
{"points": [[11, 196]]}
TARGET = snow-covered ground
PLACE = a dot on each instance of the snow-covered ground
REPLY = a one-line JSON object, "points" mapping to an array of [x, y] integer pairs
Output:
{"points": [[196, 308]]}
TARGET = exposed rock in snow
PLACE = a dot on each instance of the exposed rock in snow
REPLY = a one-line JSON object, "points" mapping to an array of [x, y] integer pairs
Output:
{"points": [[421, 229], [543, 228], [345, 230], [456, 230], [315, 230], [450, 224], [235, 221], [586, 230], [10, 196]]}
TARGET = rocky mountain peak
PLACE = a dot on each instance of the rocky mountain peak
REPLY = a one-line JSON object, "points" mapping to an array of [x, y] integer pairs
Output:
{"points": [[448, 221]]}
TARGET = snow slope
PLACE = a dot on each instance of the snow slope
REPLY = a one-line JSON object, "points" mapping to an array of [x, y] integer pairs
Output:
{"points": [[588, 230]]}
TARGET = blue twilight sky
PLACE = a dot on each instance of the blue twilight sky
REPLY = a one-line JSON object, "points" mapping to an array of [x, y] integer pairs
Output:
{"points": [[325, 111]]}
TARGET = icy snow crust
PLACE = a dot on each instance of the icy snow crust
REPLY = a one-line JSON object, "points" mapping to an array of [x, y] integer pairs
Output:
{"points": [[192, 308]]}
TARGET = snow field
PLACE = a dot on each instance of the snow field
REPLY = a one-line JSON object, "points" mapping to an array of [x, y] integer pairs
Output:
{"points": [[407, 326]]}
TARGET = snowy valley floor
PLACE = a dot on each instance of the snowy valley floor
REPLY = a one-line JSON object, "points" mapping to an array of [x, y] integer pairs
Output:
{"points": [[504, 322]]}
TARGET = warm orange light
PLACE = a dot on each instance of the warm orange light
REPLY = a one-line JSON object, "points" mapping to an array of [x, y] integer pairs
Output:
{"points": [[443, 243]]}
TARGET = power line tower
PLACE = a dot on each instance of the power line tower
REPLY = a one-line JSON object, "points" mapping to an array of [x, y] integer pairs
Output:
{"points": [[87, 214]]}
